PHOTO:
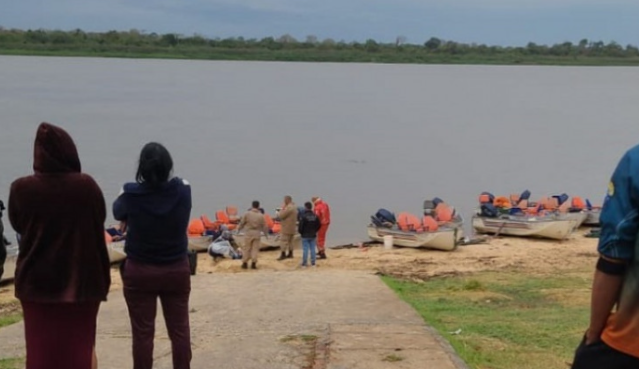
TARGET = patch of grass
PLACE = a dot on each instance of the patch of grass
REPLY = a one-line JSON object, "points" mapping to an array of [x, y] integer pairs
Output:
{"points": [[473, 285], [289, 338], [10, 319], [507, 320], [392, 358], [12, 363], [308, 338]]}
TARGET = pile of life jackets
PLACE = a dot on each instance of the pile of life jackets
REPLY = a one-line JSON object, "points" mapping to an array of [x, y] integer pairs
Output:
{"points": [[520, 204], [229, 218], [436, 213]]}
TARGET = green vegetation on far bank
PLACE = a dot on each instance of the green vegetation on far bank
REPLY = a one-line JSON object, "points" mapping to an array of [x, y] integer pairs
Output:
{"points": [[136, 44], [505, 320]]}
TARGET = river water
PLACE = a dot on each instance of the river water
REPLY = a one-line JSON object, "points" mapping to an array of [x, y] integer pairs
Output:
{"points": [[362, 136]]}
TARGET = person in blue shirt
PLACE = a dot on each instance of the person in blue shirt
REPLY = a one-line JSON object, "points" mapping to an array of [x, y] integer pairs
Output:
{"points": [[156, 210], [611, 339]]}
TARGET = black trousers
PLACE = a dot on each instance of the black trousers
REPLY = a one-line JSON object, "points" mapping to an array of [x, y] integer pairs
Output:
{"points": [[601, 356]]}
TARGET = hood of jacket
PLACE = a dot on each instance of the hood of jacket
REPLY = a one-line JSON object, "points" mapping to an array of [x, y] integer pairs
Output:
{"points": [[54, 151]]}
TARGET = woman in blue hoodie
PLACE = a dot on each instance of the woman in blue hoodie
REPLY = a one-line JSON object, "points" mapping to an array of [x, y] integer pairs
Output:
{"points": [[156, 210]]}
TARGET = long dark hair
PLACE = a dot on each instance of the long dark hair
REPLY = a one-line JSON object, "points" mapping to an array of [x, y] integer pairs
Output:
{"points": [[155, 165]]}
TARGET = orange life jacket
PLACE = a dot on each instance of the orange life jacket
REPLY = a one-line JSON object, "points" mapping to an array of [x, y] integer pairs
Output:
{"points": [[578, 203], [430, 224], [269, 221], [231, 212], [208, 224], [443, 213], [502, 202], [409, 223], [196, 228], [107, 237]]}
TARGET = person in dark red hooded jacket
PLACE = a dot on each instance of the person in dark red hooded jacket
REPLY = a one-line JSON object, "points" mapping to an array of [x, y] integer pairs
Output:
{"points": [[62, 272]]}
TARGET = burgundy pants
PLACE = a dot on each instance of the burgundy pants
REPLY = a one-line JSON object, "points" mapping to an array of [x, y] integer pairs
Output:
{"points": [[60, 335], [143, 285]]}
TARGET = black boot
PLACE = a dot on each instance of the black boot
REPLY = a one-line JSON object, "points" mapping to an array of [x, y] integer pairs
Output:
{"points": [[244, 266], [253, 265], [282, 256], [321, 255], [290, 255]]}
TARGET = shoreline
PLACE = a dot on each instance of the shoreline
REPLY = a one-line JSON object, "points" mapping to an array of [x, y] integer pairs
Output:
{"points": [[336, 58]]}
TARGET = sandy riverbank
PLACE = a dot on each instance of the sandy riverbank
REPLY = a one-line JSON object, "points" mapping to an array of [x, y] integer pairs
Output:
{"points": [[578, 253]]}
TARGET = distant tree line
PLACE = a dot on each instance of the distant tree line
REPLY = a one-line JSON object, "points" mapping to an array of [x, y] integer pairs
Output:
{"points": [[137, 41]]}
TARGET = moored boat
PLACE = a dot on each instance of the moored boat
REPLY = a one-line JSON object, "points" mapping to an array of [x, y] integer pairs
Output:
{"points": [[592, 217], [199, 243], [116, 251], [9, 268], [440, 228], [579, 217], [445, 238], [524, 226]]}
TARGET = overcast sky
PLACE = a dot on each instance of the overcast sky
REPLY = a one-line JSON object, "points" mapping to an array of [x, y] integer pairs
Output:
{"points": [[504, 22]]}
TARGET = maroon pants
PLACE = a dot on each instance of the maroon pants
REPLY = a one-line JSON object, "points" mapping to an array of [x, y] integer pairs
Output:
{"points": [[60, 335], [143, 284]]}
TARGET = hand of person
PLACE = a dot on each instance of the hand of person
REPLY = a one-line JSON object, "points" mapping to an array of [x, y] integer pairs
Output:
{"points": [[592, 337]]}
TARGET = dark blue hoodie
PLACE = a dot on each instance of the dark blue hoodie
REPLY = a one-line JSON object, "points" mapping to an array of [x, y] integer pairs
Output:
{"points": [[157, 219]]}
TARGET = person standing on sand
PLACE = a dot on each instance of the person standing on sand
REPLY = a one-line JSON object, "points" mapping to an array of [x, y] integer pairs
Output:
{"points": [[254, 223], [611, 339], [323, 212], [288, 220], [156, 209], [63, 271], [308, 227]]}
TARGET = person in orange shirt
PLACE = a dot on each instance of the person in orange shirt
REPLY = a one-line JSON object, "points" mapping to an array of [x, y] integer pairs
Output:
{"points": [[612, 340], [323, 212]]}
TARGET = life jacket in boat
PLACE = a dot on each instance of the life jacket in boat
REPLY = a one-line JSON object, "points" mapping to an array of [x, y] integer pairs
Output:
{"points": [[443, 213], [577, 203], [231, 212], [502, 202], [409, 223], [270, 224], [430, 224], [208, 224], [107, 237], [196, 228]]}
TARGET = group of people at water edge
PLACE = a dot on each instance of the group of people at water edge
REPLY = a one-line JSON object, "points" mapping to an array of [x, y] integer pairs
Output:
{"points": [[63, 268]]}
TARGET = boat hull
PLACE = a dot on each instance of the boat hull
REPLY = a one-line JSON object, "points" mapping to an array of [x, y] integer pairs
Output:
{"points": [[592, 218], [200, 244], [557, 229], [445, 239], [579, 218], [9, 268], [116, 252]]}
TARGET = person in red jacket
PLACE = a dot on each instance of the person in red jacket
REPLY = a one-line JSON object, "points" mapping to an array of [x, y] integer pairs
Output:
{"points": [[323, 212], [62, 273]]}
